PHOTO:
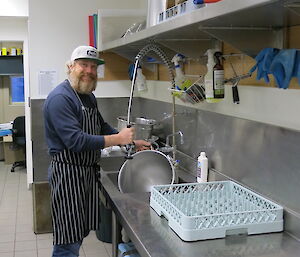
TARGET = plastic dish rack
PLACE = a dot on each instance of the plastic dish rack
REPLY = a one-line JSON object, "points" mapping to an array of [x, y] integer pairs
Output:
{"points": [[199, 211]]}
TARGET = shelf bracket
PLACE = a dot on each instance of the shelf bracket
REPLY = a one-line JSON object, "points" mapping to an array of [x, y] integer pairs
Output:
{"points": [[249, 40]]}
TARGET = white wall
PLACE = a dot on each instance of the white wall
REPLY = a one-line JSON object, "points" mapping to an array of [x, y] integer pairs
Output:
{"points": [[14, 8], [264, 104], [57, 27], [16, 29]]}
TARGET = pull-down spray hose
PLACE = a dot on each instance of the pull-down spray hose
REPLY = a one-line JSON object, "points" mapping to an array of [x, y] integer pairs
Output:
{"points": [[148, 48]]}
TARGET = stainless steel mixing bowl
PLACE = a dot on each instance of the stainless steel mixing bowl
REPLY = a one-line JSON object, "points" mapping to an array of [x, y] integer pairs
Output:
{"points": [[146, 169]]}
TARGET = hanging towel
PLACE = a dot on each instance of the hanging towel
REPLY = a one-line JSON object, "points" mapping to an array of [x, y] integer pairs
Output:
{"points": [[282, 67], [263, 63]]}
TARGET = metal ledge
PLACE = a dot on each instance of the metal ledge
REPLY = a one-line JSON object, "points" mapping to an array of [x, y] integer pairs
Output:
{"points": [[233, 21]]}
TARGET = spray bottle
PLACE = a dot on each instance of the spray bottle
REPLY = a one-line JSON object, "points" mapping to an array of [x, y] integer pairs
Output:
{"points": [[140, 80], [218, 77], [181, 82], [202, 168], [209, 77]]}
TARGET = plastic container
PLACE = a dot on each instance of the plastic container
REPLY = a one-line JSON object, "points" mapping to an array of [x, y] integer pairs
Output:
{"points": [[202, 168], [199, 211], [181, 82], [127, 250], [140, 80], [218, 79], [209, 78]]}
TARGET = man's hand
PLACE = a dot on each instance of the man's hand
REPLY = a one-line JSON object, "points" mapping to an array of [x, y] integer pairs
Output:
{"points": [[142, 145], [124, 137]]}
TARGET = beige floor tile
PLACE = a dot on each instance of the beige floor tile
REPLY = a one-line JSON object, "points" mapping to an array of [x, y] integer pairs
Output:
{"points": [[11, 221], [26, 253], [91, 239], [95, 248], [44, 252], [81, 252], [25, 245], [108, 248], [27, 236], [7, 215], [25, 220], [7, 229], [101, 254], [10, 254], [22, 228], [7, 247], [4, 237], [47, 243]]}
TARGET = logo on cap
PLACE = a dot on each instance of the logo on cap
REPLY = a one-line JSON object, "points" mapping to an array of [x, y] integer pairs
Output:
{"points": [[91, 53]]}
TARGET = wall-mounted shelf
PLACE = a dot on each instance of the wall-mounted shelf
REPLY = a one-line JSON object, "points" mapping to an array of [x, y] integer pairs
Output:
{"points": [[248, 25], [11, 65]]}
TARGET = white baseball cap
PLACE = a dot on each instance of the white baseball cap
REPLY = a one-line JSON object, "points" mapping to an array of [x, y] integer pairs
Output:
{"points": [[86, 52]]}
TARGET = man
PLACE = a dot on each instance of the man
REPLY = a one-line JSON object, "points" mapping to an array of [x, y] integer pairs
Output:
{"points": [[75, 133]]}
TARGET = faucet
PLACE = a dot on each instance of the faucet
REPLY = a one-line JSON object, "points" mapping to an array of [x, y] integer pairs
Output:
{"points": [[155, 48], [174, 134]]}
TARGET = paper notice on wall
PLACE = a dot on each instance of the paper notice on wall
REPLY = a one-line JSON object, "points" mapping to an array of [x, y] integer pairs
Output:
{"points": [[100, 71], [48, 79]]}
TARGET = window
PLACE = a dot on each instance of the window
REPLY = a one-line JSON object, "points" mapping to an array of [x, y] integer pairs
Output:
{"points": [[17, 89]]}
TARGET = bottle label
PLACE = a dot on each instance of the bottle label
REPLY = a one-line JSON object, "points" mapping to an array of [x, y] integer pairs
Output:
{"points": [[218, 82], [199, 169], [209, 90]]}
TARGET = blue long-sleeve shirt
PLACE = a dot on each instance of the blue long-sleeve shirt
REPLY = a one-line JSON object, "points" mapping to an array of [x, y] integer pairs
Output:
{"points": [[63, 121]]}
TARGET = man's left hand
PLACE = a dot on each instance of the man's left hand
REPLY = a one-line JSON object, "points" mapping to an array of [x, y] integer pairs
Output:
{"points": [[142, 145]]}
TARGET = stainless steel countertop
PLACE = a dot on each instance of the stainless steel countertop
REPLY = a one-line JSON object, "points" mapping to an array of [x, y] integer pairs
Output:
{"points": [[153, 237]]}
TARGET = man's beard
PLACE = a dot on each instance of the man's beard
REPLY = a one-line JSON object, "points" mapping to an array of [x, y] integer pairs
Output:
{"points": [[80, 86]]}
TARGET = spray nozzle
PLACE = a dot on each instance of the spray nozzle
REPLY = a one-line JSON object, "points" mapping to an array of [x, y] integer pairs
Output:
{"points": [[178, 58], [218, 56]]}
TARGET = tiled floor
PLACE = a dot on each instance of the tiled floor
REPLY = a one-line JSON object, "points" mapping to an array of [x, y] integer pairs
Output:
{"points": [[16, 223]]}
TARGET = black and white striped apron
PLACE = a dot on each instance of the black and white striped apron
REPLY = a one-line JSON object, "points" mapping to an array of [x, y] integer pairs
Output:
{"points": [[74, 188]]}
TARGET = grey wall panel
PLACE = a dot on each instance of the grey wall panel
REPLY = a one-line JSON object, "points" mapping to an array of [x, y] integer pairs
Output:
{"points": [[40, 155], [110, 109], [262, 157]]}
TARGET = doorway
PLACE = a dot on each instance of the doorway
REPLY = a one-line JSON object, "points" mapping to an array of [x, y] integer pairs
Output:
{"points": [[12, 101]]}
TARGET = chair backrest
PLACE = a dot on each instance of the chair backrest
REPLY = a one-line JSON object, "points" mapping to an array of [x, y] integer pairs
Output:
{"points": [[19, 130]]}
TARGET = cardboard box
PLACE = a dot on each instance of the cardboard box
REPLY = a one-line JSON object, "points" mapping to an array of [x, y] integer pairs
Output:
{"points": [[12, 153], [170, 3]]}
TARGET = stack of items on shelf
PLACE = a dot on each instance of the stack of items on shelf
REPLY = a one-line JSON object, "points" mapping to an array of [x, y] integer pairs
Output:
{"points": [[93, 30], [13, 51]]}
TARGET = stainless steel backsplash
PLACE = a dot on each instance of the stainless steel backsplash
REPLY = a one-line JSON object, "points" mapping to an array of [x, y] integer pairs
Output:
{"points": [[262, 157]]}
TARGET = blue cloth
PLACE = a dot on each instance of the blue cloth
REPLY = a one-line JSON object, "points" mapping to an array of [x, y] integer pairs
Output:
{"points": [[63, 122], [67, 250], [263, 63], [282, 67], [282, 64], [5, 132]]}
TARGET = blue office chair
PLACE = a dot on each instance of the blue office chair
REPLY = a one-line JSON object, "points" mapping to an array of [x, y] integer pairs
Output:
{"points": [[19, 139]]}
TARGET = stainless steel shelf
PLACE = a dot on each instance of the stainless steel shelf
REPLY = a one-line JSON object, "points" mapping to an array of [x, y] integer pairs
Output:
{"points": [[248, 25]]}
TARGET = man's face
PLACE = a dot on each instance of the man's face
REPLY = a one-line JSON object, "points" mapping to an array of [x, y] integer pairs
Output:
{"points": [[83, 76]]}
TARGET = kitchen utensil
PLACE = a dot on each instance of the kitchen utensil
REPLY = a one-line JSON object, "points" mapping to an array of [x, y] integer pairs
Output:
{"points": [[147, 168], [143, 127]]}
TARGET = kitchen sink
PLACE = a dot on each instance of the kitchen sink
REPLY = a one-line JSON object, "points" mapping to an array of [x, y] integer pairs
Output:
{"points": [[113, 177], [112, 162]]}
